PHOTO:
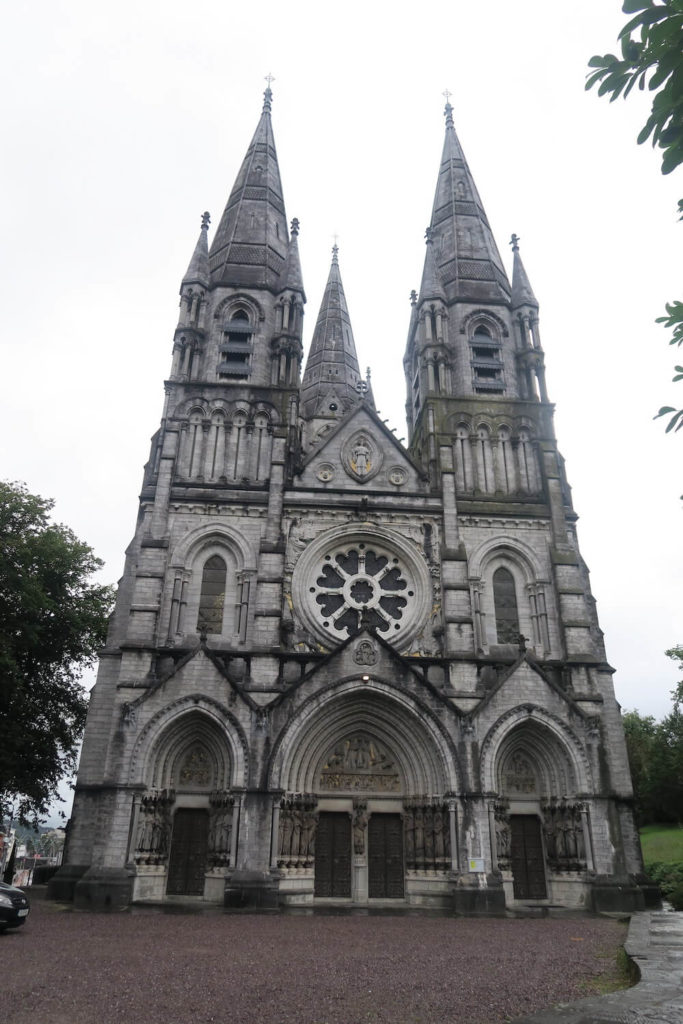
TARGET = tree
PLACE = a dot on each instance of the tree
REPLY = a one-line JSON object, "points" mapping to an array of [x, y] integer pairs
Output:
{"points": [[652, 55], [641, 733], [53, 619]]}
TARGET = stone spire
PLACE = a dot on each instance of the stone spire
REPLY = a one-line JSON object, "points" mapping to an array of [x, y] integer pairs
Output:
{"points": [[522, 292], [198, 270], [432, 285], [332, 374], [291, 277], [465, 252], [251, 242]]}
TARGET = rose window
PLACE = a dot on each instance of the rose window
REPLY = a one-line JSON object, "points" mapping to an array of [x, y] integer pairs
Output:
{"points": [[362, 587]]}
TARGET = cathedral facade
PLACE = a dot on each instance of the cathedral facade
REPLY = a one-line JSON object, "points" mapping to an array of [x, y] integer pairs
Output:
{"points": [[340, 669]]}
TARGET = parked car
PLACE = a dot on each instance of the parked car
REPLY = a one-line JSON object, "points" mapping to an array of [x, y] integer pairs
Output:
{"points": [[14, 906]]}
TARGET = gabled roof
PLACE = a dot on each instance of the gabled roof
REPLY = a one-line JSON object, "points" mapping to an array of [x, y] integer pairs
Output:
{"points": [[331, 451]]}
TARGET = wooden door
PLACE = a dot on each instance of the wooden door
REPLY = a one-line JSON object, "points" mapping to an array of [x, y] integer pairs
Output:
{"points": [[189, 845], [385, 857], [333, 855], [527, 860]]}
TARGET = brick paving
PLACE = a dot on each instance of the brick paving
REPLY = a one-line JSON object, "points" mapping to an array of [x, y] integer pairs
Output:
{"points": [[146, 966]]}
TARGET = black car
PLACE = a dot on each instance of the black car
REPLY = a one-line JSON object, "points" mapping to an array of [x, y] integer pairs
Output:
{"points": [[14, 906]]}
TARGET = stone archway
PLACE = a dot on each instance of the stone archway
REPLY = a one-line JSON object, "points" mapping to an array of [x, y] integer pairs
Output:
{"points": [[541, 834], [365, 815]]}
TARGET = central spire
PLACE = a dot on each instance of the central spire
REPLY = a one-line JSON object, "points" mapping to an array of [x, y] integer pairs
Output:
{"points": [[251, 241], [463, 248], [332, 375]]}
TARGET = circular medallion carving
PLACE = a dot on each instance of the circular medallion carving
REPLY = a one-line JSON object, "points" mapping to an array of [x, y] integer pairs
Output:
{"points": [[397, 475], [325, 472]]}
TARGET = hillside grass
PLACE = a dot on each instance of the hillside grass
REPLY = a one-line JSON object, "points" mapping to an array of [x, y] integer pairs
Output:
{"points": [[662, 844]]}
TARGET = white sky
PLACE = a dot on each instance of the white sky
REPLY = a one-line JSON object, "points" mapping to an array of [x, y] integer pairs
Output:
{"points": [[123, 122]]}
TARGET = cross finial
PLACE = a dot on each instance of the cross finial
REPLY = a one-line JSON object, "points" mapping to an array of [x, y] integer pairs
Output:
{"points": [[448, 109], [206, 220], [268, 94], [514, 242]]}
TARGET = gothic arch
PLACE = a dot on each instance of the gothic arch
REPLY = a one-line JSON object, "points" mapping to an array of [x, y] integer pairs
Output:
{"points": [[533, 594], [426, 762], [170, 734], [190, 547], [486, 318], [558, 756], [233, 303]]}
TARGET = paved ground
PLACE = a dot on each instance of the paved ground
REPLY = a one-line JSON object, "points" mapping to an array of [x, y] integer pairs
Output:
{"points": [[154, 968], [655, 945]]}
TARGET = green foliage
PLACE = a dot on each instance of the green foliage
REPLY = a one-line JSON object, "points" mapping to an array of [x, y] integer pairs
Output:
{"points": [[655, 752], [673, 321], [669, 878], [676, 654], [652, 56], [52, 622]]}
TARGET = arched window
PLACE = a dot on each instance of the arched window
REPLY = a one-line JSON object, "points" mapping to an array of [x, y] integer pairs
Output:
{"points": [[505, 605], [212, 596]]}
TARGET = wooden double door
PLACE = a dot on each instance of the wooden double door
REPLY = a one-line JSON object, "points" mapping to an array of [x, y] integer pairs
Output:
{"points": [[333, 856], [527, 858], [188, 856]]}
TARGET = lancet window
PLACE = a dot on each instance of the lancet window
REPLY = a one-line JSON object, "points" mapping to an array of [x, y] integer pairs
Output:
{"points": [[505, 605], [212, 596]]}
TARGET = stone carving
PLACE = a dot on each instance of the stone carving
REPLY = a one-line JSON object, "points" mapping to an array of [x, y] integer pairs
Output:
{"points": [[361, 457], [360, 824], [360, 763], [154, 826], [195, 769], [325, 472], [221, 803], [564, 839], [296, 835], [426, 827], [501, 813], [365, 653], [520, 776], [397, 476]]}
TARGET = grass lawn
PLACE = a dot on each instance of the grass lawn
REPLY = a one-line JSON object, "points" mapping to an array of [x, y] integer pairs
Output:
{"points": [[662, 843]]}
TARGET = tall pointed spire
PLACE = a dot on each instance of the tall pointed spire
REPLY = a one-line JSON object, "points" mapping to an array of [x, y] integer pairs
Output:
{"points": [[332, 369], [522, 292], [465, 251], [251, 241], [292, 277], [198, 269]]}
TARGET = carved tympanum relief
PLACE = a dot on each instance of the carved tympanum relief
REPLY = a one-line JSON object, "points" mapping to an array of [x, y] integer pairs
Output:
{"points": [[359, 762]]}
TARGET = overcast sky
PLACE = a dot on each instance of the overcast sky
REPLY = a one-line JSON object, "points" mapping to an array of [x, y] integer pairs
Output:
{"points": [[123, 122]]}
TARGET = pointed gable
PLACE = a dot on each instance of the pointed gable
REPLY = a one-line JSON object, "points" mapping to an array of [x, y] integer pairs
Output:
{"points": [[360, 452]]}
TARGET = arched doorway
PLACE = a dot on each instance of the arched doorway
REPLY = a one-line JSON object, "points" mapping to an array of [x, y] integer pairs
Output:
{"points": [[365, 815], [542, 839], [185, 829]]}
